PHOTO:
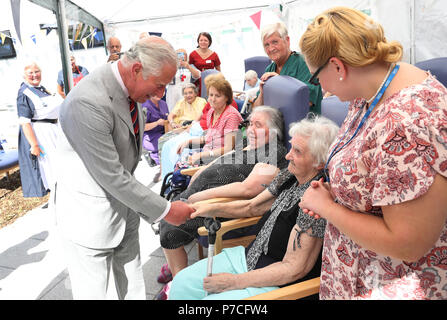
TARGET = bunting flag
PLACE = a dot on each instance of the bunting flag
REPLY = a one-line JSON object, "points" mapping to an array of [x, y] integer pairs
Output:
{"points": [[15, 7], [70, 43], [78, 30], [84, 42], [84, 29], [99, 36], [257, 19], [33, 37], [48, 30]]}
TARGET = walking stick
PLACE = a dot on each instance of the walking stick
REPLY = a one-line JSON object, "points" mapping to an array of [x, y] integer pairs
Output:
{"points": [[212, 226]]}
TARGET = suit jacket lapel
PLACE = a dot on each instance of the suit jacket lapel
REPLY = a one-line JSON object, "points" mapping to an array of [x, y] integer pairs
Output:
{"points": [[121, 105]]}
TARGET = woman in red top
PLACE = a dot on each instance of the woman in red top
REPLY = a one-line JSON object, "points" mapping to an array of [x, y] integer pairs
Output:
{"points": [[203, 58]]}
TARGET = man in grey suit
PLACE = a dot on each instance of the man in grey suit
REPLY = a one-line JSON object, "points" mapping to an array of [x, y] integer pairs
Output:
{"points": [[97, 200]]}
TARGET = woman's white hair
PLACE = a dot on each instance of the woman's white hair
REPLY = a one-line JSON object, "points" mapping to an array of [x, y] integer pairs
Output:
{"points": [[153, 55], [270, 29], [190, 85], [30, 63], [321, 132], [275, 120], [251, 74]]}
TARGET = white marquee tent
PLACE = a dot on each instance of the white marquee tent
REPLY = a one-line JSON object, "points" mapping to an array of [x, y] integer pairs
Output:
{"points": [[420, 25]]}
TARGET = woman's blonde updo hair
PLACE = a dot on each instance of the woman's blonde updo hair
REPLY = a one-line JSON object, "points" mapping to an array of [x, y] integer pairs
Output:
{"points": [[349, 35]]}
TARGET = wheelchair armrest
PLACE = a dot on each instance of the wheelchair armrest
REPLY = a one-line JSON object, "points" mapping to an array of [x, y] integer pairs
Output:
{"points": [[190, 171], [292, 292], [231, 225]]}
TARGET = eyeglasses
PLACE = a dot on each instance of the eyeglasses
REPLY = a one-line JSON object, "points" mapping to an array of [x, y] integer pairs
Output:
{"points": [[32, 73], [314, 79]]}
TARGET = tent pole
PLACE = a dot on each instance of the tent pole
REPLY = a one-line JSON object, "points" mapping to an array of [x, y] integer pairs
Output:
{"points": [[63, 45], [412, 36]]}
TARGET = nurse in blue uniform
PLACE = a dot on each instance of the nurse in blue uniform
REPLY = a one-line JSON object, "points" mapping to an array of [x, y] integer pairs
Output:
{"points": [[38, 111]]}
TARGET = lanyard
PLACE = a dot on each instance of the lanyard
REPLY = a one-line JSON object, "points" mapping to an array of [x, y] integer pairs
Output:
{"points": [[337, 148]]}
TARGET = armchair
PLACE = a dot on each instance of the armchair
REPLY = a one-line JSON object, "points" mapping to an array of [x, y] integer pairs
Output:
{"points": [[257, 63], [291, 292], [9, 160], [332, 108], [203, 75], [224, 240], [437, 66], [290, 96]]}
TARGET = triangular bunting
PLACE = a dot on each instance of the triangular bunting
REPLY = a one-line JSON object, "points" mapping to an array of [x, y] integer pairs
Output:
{"points": [[84, 43], [257, 19]]}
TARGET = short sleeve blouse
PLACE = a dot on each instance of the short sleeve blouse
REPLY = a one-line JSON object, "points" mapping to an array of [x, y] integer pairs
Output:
{"points": [[393, 159], [228, 122]]}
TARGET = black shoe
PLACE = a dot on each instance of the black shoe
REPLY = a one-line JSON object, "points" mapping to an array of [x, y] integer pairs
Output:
{"points": [[151, 162], [157, 177]]}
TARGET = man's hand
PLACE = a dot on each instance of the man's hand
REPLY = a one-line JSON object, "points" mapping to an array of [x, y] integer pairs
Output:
{"points": [[113, 57], [179, 213]]}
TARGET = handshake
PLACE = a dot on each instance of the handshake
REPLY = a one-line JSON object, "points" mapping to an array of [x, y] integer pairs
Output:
{"points": [[178, 214]]}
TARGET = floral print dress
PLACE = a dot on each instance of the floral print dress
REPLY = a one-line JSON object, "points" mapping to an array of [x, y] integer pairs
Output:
{"points": [[394, 158]]}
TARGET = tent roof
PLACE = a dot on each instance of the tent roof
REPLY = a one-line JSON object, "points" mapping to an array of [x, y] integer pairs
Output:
{"points": [[117, 11]]}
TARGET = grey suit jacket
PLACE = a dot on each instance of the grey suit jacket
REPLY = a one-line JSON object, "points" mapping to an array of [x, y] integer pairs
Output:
{"points": [[97, 155]]}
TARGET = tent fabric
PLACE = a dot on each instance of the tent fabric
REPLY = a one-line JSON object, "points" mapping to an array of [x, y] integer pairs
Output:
{"points": [[418, 24]]}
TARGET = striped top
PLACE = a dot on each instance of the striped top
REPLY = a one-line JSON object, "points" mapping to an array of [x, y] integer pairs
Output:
{"points": [[228, 122]]}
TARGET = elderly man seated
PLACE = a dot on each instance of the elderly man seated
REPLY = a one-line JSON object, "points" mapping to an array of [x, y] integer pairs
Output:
{"points": [[288, 244]]}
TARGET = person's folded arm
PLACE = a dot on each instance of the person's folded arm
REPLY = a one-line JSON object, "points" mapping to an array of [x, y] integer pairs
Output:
{"points": [[261, 175], [236, 209]]}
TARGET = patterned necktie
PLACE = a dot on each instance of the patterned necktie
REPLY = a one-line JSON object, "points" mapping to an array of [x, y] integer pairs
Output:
{"points": [[134, 116]]}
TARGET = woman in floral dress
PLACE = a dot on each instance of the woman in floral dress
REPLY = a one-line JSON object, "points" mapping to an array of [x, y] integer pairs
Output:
{"points": [[386, 236]]}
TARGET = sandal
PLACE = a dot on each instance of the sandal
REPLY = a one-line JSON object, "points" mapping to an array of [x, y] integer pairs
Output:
{"points": [[165, 274]]}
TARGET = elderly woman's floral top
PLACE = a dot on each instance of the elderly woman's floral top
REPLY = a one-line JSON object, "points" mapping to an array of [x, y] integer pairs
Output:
{"points": [[394, 158]]}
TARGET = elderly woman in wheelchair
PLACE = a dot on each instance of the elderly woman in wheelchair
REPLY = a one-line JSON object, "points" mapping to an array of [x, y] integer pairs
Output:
{"points": [[245, 168], [288, 243]]}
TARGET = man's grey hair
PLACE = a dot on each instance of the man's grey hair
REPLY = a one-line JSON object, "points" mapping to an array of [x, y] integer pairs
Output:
{"points": [[270, 29], [153, 55], [275, 120], [321, 132], [190, 85]]}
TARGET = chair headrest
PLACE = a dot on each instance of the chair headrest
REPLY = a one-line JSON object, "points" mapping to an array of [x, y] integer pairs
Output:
{"points": [[437, 67], [290, 96]]}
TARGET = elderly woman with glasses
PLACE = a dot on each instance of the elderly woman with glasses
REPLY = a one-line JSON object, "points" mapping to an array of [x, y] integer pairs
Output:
{"points": [[187, 109], [38, 112], [385, 205], [276, 43], [288, 242]]}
